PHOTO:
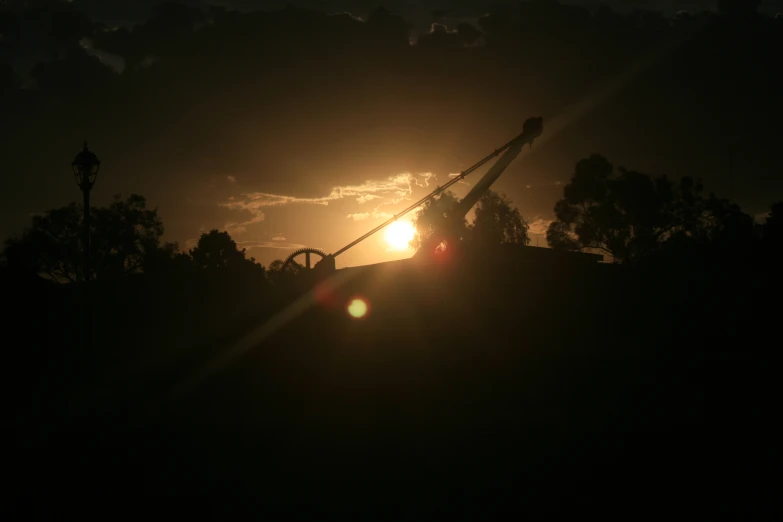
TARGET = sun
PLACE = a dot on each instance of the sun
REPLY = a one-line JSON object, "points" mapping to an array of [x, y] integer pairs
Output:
{"points": [[399, 234]]}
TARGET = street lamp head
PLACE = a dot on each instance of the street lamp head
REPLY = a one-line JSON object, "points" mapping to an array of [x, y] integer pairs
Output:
{"points": [[85, 168]]}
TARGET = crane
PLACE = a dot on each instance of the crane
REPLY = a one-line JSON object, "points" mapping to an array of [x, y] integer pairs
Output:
{"points": [[532, 129]]}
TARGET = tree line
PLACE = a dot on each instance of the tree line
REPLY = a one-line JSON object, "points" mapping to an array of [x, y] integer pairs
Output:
{"points": [[126, 239], [630, 216], [625, 215], [622, 213]]}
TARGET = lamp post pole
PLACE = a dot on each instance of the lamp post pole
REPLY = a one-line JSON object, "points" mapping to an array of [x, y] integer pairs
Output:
{"points": [[86, 233], [85, 170]]}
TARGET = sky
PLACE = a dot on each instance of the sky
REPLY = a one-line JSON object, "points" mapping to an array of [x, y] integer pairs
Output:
{"points": [[293, 128], [415, 11]]}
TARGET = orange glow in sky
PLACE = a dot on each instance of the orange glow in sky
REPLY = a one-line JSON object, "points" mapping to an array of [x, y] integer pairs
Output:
{"points": [[399, 234]]}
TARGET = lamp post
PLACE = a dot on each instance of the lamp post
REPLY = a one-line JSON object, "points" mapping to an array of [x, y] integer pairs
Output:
{"points": [[85, 170]]}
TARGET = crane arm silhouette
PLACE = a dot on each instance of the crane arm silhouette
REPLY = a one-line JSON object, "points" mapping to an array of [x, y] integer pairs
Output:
{"points": [[532, 129]]}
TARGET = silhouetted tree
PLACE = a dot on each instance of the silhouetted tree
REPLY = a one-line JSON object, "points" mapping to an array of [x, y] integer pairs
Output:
{"points": [[773, 223], [168, 261], [124, 236], [50, 248], [772, 229], [434, 215], [626, 216], [724, 223], [498, 222], [216, 251], [277, 273], [7, 77]]}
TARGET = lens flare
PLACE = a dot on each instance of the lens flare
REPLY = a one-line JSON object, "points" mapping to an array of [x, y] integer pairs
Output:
{"points": [[357, 308]]}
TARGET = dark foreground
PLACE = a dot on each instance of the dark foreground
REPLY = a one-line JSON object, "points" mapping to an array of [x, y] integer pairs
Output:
{"points": [[478, 390]]}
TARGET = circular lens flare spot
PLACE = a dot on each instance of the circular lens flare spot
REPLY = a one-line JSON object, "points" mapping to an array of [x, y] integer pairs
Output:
{"points": [[357, 308]]}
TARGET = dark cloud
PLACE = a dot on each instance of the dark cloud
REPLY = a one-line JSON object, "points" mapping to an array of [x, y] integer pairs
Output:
{"points": [[31, 32], [419, 14], [440, 37], [303, 117]]}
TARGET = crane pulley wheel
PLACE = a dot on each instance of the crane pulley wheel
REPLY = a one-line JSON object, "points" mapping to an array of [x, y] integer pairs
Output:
{"points": [[306, 252]]}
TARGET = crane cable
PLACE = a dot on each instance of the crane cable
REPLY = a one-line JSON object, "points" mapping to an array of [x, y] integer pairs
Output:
{"points": [[430, 196]]}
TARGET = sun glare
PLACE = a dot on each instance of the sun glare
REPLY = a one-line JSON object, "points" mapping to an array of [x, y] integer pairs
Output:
{"points": [[399, 234], [357, 308]]}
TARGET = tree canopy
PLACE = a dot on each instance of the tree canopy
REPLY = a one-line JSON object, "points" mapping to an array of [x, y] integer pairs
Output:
{"points": [[216, 251], [125, 239], [497, 222], [435, 215], [629, 215], [124, 236]]}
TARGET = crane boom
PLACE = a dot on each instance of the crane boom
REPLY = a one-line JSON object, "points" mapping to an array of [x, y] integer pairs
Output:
{"points": [[532, 129]]}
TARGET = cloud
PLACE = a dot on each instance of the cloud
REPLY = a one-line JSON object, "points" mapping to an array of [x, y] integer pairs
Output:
{"points": [[367, 215], [426, 176], [240, 227], [392, 189], [761, 217], [191, 243], [367, 197], [278, 237], [398, 186], [441, 28], [460, 182], [148, 62], [541, 185], [349, 16], [250, 245], [231, 179], [539, 226], [254, 201], [113, 61]]}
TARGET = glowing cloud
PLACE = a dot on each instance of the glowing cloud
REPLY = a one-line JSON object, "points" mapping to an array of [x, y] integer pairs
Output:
{"points": [[367, 197], [250, 245], [539, 226]]}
